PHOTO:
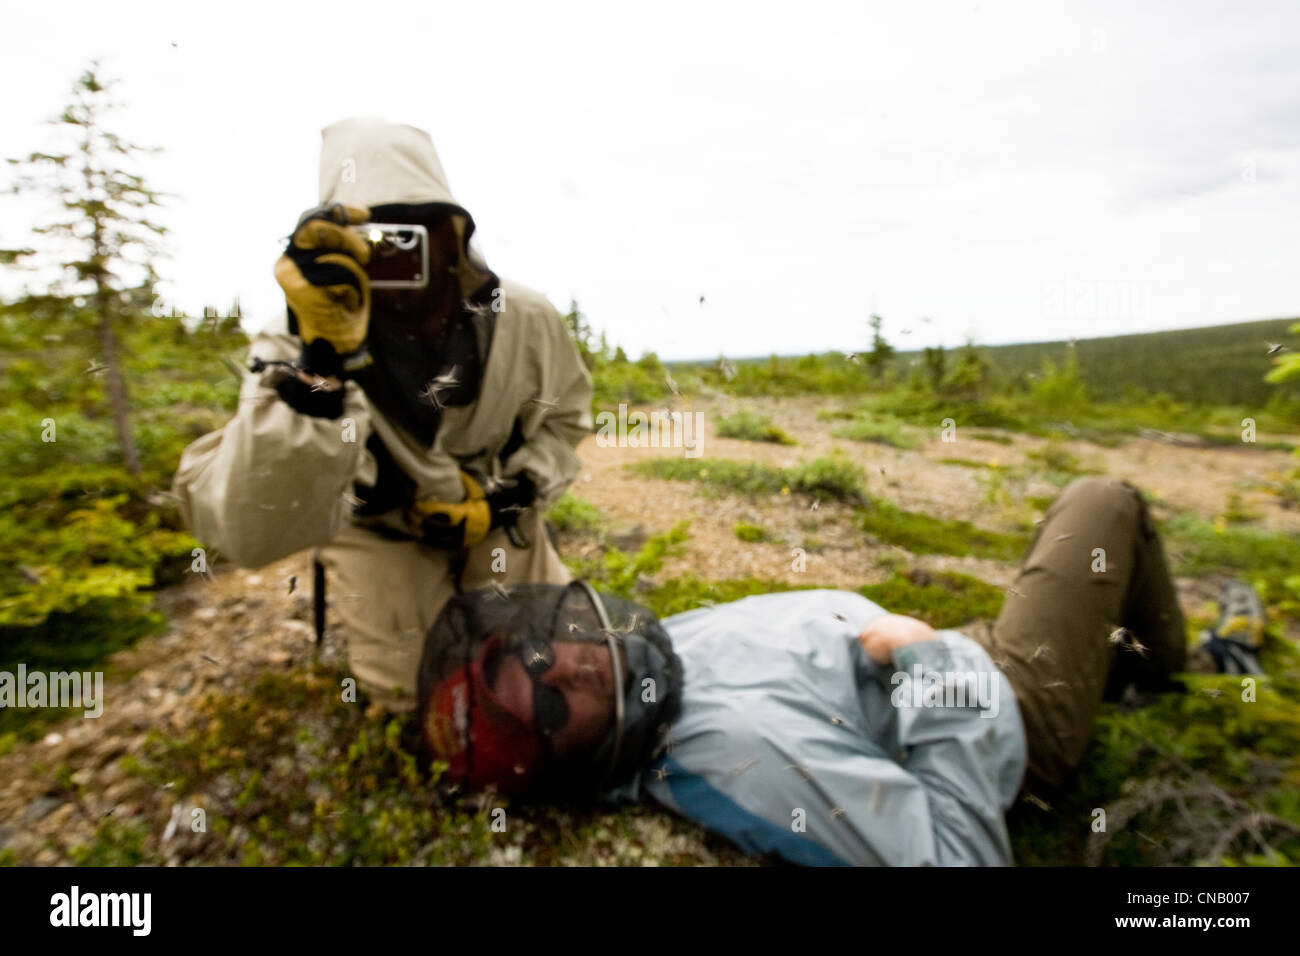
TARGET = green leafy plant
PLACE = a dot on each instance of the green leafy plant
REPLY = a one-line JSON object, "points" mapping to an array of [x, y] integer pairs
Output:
{"points": [[884, 430], [924, 534], [748, 425], [941, 599], [575, 515], [829, 477]]}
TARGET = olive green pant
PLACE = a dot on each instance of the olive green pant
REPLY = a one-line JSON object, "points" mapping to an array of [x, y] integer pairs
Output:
{"points": [[386, 594], [1095, 565]]}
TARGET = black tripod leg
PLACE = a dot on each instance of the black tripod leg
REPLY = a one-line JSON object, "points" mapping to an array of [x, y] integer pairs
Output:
{"points": [[318, 598]]}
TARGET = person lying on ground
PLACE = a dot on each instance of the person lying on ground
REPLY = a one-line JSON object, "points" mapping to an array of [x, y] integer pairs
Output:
{"points": [[815, 725]]}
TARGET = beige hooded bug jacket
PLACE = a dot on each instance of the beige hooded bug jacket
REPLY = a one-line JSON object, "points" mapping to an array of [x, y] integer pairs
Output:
{"points": [[274, 481]]}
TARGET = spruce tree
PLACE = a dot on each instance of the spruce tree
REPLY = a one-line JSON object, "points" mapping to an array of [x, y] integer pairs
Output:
{"points": [[881, 351], [106, 240]]}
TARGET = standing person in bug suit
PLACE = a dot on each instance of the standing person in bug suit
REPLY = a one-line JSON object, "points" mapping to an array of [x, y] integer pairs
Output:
{"points": [[413, 437]]}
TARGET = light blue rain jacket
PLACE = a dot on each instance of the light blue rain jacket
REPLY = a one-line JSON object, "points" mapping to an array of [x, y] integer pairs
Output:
{"points": [[791, 741]]}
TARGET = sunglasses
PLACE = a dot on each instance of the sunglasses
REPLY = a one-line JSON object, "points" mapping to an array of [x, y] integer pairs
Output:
{"points": [[550, 709]]}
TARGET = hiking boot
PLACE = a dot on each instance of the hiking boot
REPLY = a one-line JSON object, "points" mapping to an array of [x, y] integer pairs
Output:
{"points": [[1234, 643]]}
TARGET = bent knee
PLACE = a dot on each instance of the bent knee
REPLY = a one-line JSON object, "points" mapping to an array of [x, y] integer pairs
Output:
{"points": [[1104, 495]]}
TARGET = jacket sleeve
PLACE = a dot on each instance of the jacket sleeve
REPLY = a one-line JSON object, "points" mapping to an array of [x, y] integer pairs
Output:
{"points": [[968, 759], [271, 482], [553, 425], [780, 786]]}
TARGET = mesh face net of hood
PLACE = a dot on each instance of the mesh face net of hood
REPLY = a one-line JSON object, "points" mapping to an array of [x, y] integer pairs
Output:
{"points": [[481, 714]]}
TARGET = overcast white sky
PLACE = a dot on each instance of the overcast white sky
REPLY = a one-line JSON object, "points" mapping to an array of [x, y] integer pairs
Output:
{"points": [[1009, 171]]}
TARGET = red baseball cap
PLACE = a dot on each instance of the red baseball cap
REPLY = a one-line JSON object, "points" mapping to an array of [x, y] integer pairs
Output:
{"points": [[484, 733]]}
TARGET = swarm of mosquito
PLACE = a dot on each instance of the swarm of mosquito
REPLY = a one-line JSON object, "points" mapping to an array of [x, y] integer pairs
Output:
{"points": [[435, 387]]}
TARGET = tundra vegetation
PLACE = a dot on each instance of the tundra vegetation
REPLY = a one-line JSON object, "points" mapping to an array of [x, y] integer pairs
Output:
{"points": [[223, 704]]}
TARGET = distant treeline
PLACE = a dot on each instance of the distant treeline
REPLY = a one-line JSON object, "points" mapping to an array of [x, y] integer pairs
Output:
{"points": [[1219, 365]]}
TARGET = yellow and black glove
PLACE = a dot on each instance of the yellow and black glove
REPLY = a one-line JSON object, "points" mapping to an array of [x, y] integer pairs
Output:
{"points": [[327, 290], [463, 524]]}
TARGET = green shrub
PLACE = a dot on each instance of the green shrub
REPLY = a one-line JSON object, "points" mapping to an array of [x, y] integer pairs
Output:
{"points": [[748, 425], [1177, 778], [82, 543], [1235, 512], [928, 411], [60, 555], [831, 373], [574, 515], [923, 534], [1197, 547], [991, 437], [830, 477], [627, 383], [873, 428], [834, 414], [616, 572], [1060, 388], [742, 477], [836, 477], [688, 592], [1060, 466], [941, 599]]}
